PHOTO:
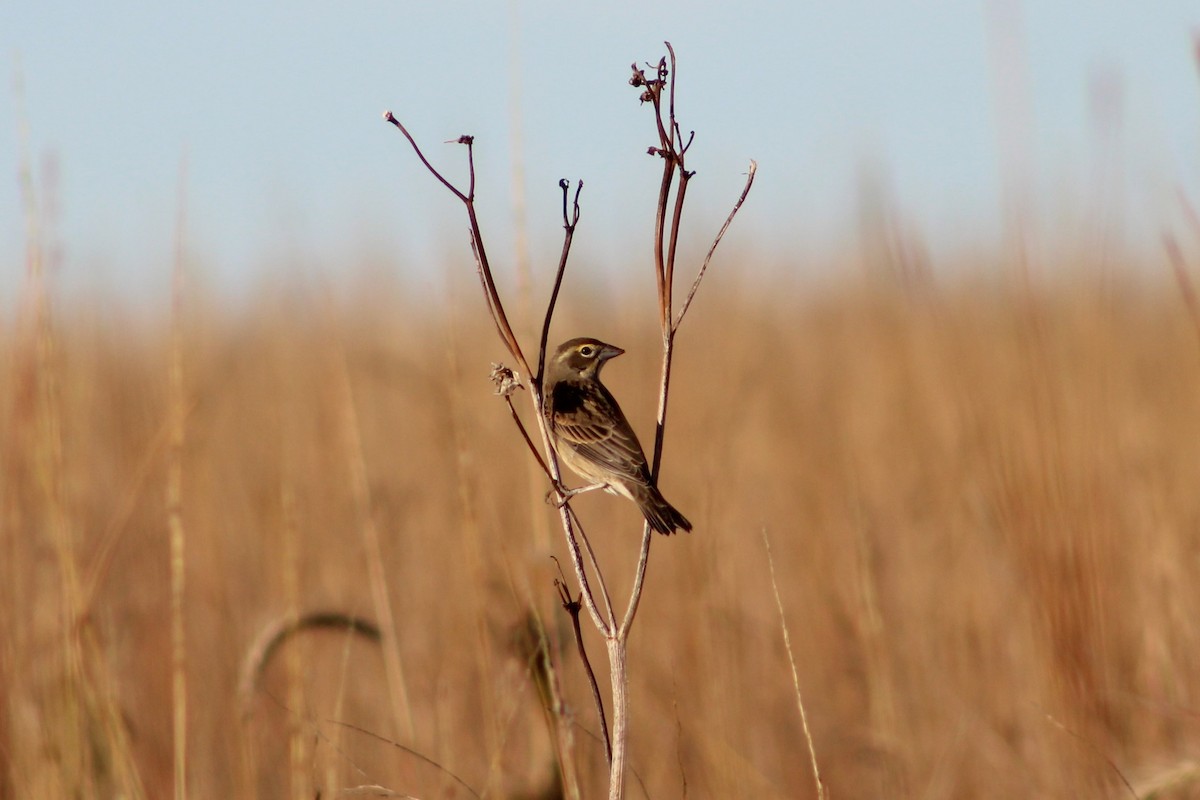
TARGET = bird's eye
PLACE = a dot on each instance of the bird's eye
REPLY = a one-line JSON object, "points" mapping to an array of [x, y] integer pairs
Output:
{"points": [[586, 350]]}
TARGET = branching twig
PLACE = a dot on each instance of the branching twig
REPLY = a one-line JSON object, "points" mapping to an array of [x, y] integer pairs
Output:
{"points": [[569, 222], [591, 554], [483, 267], [505, 331], [572, 607], [672, 149], [673, 155], [687, 303], [639, 578], [506, 384]]}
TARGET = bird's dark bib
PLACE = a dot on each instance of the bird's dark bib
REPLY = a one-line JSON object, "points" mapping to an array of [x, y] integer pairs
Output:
{"points": [[567, 397]]}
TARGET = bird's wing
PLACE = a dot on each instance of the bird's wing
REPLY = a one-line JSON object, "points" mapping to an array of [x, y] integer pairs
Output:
{"points": [[591, 423]]}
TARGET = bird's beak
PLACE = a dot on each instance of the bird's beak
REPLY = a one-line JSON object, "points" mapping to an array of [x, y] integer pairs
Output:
{"points": [[610, 351]]}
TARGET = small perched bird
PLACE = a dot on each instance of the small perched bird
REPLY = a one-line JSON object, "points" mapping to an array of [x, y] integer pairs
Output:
{"points": [[592, 436]]}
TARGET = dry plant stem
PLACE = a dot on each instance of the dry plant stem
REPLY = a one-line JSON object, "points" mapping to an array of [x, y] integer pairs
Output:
{"points": [[687, 303], [175, 529], [570, 219], [665, 244], [664, 253], [619, 680], [787, 641], [569, 222], [664, 256], [481, 261], [591, 554], [606, 623], [525, 435], [496, 308], [569, 520], [573, 607], [673, 156]]}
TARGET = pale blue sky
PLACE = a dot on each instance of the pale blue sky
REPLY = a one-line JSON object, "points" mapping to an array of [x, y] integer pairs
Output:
{"points": [[278, 104]]}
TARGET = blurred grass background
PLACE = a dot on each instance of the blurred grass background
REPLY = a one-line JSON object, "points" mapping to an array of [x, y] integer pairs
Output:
{"points": [[982, 502]]}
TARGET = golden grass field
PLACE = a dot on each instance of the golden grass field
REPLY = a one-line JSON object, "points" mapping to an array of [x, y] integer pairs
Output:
{"points": [[983, 505]]}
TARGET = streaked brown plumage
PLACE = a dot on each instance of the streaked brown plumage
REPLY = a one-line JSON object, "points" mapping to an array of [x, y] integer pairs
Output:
{"points": [[592, 436]]}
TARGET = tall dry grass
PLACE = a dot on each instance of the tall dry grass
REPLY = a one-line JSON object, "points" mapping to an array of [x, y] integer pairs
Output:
{"points": [[983, 509]]}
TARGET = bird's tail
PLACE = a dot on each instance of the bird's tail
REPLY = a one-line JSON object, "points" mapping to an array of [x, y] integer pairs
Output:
{"points": [[662, 516]]}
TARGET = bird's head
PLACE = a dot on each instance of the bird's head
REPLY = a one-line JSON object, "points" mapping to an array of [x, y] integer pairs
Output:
{"points": [[581, 358]]}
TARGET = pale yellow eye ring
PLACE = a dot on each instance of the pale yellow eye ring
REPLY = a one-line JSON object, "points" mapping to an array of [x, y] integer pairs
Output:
{"points": [[586, 350]]}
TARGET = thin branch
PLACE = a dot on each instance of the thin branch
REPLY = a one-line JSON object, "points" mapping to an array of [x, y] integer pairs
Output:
{"points": [[660, 224], [660, 429], [589, 600], [409, 750], [656, 86], [573, 607], [676, 217], [691, 138], [575, 205], [639, 578], [505, 331], [591, 554], [469, 141], [671, 51], [387, 115], [672, 148], [569, 223], [652, 94], [528, 441], [664, 394], [507, 383], [481, 261], [687, 303], [484, 278], [787, 641], [566, 514], [489, 288]]}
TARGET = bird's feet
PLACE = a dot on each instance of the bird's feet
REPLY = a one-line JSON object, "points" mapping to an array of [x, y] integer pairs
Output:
{"points": [[558, 495], [564, 494]]}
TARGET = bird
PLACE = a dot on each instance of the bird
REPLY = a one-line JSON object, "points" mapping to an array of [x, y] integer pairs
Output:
{"points": [[591, 435]]}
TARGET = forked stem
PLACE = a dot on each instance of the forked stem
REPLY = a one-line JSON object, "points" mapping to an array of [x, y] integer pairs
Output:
{"points": [[672, 149]]}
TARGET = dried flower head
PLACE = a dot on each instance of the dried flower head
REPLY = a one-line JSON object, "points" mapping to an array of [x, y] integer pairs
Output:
{"points": [[505, 379]]}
